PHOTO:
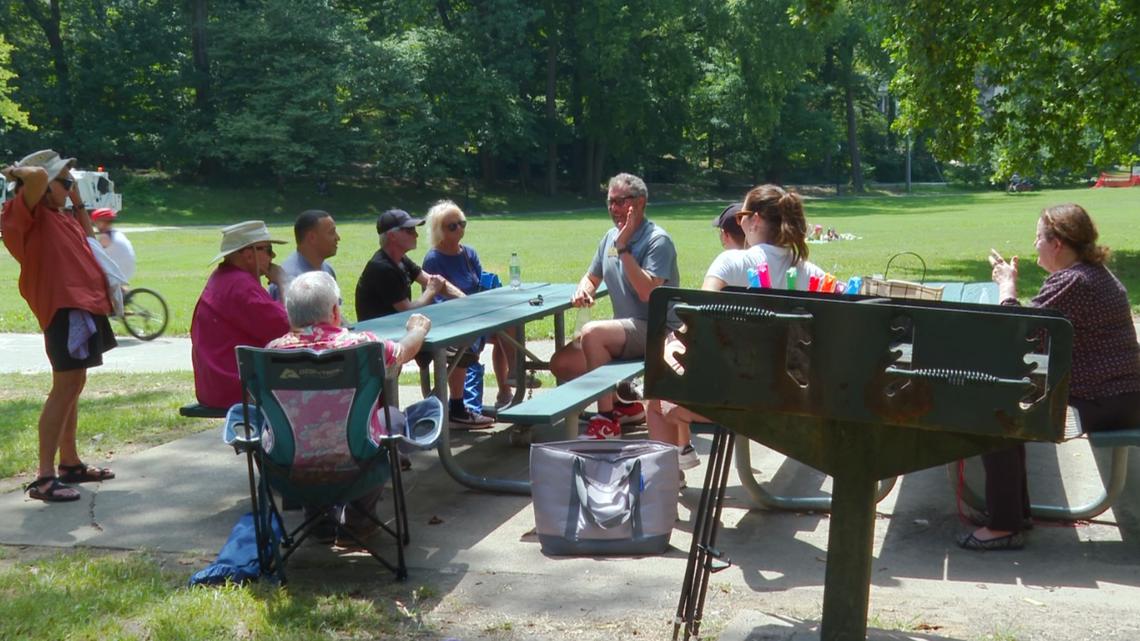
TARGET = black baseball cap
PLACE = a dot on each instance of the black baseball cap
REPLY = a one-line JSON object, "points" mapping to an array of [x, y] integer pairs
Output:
{"points": [[727, 219], [396, 219]]}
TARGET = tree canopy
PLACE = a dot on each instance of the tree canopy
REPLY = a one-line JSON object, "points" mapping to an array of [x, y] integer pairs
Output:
{"points": [[560, 93]]}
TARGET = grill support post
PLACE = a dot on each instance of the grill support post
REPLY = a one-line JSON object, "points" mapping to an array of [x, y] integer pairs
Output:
{"points": [[850, 539]]}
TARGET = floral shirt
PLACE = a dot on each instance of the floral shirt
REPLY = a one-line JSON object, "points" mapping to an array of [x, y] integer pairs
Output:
{"points": [[327, 336]]}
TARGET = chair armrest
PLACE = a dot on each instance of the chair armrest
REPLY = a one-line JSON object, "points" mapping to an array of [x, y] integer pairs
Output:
{"points": [[423, 427]]}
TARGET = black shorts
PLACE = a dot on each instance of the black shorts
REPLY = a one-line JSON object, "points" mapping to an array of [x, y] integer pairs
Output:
{"points": [[55, 342]]}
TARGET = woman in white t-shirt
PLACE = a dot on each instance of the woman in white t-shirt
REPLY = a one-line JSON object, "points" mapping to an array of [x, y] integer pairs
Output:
{"points": [[775, 230], [776, 233]]}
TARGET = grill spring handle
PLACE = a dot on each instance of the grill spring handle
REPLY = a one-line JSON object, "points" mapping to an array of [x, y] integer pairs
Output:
{"points": [[957, 377], [738, 313]]}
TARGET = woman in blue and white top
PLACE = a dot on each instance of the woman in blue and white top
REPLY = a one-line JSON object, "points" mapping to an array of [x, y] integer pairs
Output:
{"points": [[460, 265]]}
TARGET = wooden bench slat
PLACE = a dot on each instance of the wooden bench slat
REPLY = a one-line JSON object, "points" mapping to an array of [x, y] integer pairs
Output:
{"points": [[549, 406]]}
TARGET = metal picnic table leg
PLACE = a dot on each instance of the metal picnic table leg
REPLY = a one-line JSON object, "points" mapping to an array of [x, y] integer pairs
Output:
{"points": [[439, 367], [766, 500]]}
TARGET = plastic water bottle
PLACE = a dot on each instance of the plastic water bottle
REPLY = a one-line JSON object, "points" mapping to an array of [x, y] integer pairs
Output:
{"points": [[515, 271], [580, 323]]}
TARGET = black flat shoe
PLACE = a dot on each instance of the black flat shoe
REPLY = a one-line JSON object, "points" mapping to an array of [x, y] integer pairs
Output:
{"points": [[1013, 541]]}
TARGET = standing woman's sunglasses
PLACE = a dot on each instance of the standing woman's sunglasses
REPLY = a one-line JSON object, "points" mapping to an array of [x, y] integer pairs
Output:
{"points": [[66, 182], [456, 225]]}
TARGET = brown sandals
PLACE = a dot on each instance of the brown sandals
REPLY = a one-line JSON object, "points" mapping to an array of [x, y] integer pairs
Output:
{"points": [[50, 490], [84, 473]]}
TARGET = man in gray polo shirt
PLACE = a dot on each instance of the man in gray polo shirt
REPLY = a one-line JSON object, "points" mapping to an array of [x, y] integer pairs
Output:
{"points": [[315, 231], [634, 257]]}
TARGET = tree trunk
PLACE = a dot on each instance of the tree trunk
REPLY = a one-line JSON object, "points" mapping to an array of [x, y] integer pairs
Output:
{"points": [[551, 111], [201, 60], [848, 75], [50, 26], [853, 139], [587, 165], [599, 167]]}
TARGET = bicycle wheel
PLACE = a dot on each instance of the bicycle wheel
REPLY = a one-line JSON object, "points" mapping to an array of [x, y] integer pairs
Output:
{"points": [[145, 313]]}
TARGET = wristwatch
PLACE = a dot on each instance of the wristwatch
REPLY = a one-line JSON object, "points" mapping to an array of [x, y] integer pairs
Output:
{"points": [[622, 250]]}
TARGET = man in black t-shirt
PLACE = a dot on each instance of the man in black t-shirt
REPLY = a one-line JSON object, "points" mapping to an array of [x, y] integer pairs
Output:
{"points": [[385, 286]]}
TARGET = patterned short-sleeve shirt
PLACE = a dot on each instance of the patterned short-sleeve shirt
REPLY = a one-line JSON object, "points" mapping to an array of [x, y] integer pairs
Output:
{"points": [[328, 336], [1106, 357]]}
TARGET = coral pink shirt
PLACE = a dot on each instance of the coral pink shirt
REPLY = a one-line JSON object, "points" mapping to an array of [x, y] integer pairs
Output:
{"points": [[324, 336], [234, 309], [57, 268]]}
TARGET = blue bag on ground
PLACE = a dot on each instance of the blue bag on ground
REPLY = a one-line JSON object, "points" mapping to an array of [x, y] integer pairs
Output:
{"points": [[473, 384], [237, 561]]}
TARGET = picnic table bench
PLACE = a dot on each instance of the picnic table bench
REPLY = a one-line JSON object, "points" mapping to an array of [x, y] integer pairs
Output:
{"points": [[1116, 442], [562, 404]]}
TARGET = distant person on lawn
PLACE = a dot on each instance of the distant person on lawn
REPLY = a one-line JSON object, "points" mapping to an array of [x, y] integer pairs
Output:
{"points": [[234, 309], [113, 241], [317, 240], [633, 258], [67, 291], [385, 288]]}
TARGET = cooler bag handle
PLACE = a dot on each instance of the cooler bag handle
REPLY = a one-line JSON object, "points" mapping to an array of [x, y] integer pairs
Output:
{"points": [[606, 505]]}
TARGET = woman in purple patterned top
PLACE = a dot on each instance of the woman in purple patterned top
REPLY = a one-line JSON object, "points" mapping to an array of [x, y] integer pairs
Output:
{"points": [[1105, 383]]}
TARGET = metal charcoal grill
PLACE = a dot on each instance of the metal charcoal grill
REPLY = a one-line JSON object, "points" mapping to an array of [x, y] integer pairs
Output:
{"points": [[860, 388]]}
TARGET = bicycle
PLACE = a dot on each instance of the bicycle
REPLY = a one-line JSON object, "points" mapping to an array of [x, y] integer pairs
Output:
{"points": [[145, 313]]}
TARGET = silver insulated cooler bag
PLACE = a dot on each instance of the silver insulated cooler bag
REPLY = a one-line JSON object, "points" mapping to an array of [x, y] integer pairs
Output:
{"points": [[604, 497]]}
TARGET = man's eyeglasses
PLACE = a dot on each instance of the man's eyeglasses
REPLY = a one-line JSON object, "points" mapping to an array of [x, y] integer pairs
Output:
{"points": [[66, 182], [457, 225], [267, 249], [617, 200]]}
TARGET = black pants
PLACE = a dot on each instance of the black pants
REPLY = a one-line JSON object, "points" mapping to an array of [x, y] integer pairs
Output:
{"points": [[1007, 494]]}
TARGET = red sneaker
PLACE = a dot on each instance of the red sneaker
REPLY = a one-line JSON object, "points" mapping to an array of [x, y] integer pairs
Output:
{"points": [[602, 428], [629, 413]]}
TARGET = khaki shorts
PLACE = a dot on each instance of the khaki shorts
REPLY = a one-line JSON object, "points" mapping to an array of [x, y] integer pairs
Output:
{"points": [[635, 336]]}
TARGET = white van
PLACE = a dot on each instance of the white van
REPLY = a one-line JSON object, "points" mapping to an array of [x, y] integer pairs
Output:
{"points": [[95, 188]]}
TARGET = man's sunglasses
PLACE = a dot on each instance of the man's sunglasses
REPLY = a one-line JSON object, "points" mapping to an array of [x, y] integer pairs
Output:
{"points": [[268, 249], [66, 182], [457, 225]]}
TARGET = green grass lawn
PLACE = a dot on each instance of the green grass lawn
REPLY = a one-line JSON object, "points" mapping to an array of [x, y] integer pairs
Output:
{"points": [[88, 595], [117, 412], [952, 231]]}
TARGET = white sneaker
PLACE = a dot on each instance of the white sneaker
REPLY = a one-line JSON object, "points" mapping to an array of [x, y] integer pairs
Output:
{"points": [[471, 420], [687, 458]]}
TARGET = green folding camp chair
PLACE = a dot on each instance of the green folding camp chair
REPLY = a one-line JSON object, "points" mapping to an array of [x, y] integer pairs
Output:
{"points": [[314, 429]]}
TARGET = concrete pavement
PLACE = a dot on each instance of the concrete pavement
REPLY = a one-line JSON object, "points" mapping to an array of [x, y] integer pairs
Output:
{"points": [[478, 553]]}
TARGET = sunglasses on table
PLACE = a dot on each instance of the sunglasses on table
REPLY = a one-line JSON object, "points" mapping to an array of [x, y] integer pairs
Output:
{"points": [[66, 182], [456, 225]]}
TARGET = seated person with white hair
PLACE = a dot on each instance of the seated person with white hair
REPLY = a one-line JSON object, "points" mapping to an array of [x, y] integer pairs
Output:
{"points": [[312, 301]]}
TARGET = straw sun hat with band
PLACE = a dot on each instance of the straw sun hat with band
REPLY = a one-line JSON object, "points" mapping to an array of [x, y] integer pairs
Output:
{"points": [[241, 235]]}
